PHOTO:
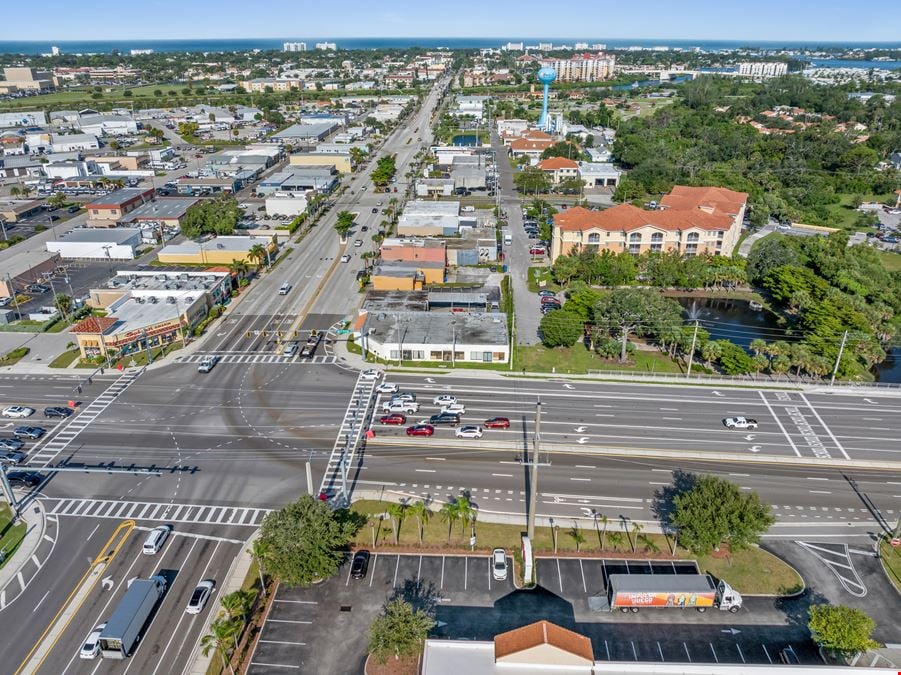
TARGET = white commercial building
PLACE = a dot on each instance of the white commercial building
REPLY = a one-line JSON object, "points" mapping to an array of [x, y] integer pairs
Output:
{"points": [[107, 125], [73, 142], [288, 204], [294, 46], [429, 218], [71, 169], [32, 118], [763, 68], [115, 243]]}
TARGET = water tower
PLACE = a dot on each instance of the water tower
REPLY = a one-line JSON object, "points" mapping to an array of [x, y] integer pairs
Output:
{"points": [[546, 75]]}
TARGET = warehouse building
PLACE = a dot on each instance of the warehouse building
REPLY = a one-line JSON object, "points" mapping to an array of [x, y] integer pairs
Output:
{"points": [[116, 243]]}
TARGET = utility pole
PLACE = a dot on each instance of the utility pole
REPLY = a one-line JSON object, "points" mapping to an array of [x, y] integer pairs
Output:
{"points": [[838, 359], [12, 292], [533, 480], [691, 352]]}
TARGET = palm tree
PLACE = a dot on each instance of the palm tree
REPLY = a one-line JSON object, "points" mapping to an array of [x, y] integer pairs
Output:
{"points": [[221, 631], [650, 545], [239, 268], [577, 536], [616, 540], [636, 530], [258, 253], [420, 510], [467, 512], [258, 550], [604, 521], [450, 513], [758, 346], [237, 604], [15, 191], [710, 352], [397, 512], [64, 304]]}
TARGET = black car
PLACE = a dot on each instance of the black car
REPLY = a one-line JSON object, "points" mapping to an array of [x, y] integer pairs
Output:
{"points": [[58, 411], [359, 565], [364, 228], [444, 418], [33, 433], [24, 478], [375, 209]]}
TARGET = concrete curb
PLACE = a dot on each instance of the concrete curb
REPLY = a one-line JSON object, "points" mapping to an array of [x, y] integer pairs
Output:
{"points": [[35, 527], [650, 453]]}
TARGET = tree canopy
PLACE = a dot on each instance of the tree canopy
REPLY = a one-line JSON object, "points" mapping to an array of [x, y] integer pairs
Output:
{"points": [[560, 329], [843, 630], [211, 216], [400, 631], [305, 540], [715, 511]]}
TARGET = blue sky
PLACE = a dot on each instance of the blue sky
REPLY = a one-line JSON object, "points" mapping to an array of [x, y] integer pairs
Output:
{"points": [[792, 20]]}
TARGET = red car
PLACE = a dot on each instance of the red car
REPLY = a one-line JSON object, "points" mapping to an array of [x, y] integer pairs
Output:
{"points": [[497, 423], [535, 250], [395, 418], [420, 430], [547, 300]]}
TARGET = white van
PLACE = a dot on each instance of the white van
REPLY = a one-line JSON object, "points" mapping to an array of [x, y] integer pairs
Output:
{"points": [[155, 539], [284, 289]]}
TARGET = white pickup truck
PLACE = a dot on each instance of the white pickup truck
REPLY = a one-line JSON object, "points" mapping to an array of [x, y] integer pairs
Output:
{"points": [[740, 423], [395, 406]]}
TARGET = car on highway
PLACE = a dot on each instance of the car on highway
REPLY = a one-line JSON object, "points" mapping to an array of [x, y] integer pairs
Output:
{"points": [[421, 430], [497, 423], [406, 407], [58, 411], [358, 243], [469, 431], [24, 478], [12, 456], [454, 408], [393, 418], [345, 258], [370, 374], [443, 418], [499, 564], [207, 363], [11, 444], [32, 433], [444, 399], [740, 423], [386, 388], [91, 646], [364, 228], [17, 411], [359, 565], [201, 594], [375, 209]]}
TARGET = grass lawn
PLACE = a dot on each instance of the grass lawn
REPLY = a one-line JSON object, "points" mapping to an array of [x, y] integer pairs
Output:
{"points": [[14, 356], [847, 215], [890, 261], [539, 274], [10, 535], [65, 359], [579, 360], [646, 107], [891, 563], [751, 571]]}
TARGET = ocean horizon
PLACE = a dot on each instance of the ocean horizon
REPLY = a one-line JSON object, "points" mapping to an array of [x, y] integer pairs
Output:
{"points": [[36, 47]]}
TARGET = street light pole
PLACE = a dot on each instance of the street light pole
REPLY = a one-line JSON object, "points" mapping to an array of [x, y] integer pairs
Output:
{"points": [[691, 352], [533, 480]]}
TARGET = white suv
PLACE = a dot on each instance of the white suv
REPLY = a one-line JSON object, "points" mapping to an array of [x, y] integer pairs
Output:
{"points": [[740, 423]]}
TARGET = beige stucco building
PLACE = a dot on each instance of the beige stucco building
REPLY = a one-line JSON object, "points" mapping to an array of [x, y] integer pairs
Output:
{"points": [[689, 220]]}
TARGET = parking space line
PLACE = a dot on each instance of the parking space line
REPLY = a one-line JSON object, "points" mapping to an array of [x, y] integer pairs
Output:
{"points": [[442, 573], [582, 570], [272, 665], [686, 652], [372, 573], [489, 574], [347, 582], [634, 651], [739, 653], [660, 649], [396, 568], [283, 642], [465, 573], [288, 621], [714, 652], [298, 602], [560, 576], [765, 651], [607, 649], [419, 571]]}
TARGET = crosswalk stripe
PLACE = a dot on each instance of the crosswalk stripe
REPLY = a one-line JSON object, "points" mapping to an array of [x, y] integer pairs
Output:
{"points": [[155, 512], [259, 358]]}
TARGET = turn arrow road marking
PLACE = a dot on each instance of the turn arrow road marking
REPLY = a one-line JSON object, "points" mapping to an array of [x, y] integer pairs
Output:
{"points": [[583, 440], [568, 386], [716, 393], [581, 430], [756, 448], [750, 437], [107, 583]]}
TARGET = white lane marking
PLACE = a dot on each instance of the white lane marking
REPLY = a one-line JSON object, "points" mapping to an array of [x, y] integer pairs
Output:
{"points": [[819, 492], [815, 478], [582, 479], [425, 470], [503, 475], [779, 423], [437, 459]]}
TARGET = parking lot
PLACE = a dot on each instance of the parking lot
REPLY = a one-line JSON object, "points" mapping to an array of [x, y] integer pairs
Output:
{"points": [[469, 604]]}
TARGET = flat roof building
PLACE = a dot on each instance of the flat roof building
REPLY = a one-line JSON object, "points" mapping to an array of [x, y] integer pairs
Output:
{"points": [[217, 251], [107, 210], [114, 243], [306, 132], [165, 210]]}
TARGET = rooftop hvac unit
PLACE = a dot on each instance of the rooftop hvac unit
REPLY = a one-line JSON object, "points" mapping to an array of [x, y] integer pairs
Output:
{"points": [[139, 300], [152, 300], [189, 300], [170, 300]]}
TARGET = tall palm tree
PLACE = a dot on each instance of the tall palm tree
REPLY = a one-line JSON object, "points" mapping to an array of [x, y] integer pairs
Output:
{"points": [[577, 536], [636, 530], [422, 513], [616, 540], [237, 604], [219, 637], [758, 346], [239, 268], [450, 513], [467, 512], [605, 521], [710, 352], [397, 513], [258, 253], [258, 550]]}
